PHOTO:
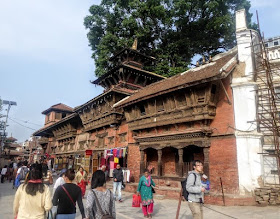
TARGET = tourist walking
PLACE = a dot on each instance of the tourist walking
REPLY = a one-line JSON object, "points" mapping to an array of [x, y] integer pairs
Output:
{"points": [[66, 196], [145, 188], [4, 173], [81, 179], [33, 199], [118, 179], [196, 190], [60, 180], [100, 201], [22, 171], [47, 174]]}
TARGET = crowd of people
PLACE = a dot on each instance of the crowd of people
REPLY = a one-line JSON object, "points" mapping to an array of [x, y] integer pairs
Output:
{"points": [[34, 199]]}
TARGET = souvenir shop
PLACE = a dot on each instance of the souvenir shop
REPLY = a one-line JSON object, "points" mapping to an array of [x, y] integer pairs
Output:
{"points": [[114, 156]]}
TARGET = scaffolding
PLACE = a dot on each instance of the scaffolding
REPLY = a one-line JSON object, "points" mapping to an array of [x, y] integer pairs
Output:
{"points": [[268, 105]]}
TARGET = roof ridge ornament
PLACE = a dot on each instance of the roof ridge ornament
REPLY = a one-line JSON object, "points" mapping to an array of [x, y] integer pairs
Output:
{"points": [[134, 45]]}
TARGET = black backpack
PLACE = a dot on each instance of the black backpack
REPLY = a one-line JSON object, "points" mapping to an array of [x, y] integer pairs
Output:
{"points": [[185, 193]]}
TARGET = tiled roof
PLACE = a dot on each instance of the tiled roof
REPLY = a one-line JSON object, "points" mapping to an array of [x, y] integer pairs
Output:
{"points": [[148, 73], [60, 107], [43, 130], [115, 89], [218, 68], [11, 139]]}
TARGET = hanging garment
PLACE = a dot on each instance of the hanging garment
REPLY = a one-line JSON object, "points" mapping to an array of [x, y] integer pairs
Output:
{"points": [[128, 175], [116, 160], [111, 165], [124, 152], [102, 162], [115, 152], [121, 153]]}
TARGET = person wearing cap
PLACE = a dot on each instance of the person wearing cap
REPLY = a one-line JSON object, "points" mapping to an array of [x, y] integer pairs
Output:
{"points": [[205, 182], [60, 181]]}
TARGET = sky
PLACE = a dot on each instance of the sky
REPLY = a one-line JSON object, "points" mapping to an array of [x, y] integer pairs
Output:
{"points": [[45, 58]]}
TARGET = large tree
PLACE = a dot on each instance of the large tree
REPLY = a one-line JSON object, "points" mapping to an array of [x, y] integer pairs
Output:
{"points": [[173, 31]]}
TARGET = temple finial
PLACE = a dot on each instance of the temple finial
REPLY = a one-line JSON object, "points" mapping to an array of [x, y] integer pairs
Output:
{"points": [[134, 45]]}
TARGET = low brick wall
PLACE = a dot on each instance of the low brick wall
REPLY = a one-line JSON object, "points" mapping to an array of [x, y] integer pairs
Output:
{"points": [[166, 192], [267, 196]]}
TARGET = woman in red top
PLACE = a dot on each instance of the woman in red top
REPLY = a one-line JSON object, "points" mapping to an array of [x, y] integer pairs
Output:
{"points": [[81, 178]]}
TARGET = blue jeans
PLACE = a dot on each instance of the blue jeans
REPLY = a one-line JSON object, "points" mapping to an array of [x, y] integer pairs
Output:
{"points": [[118, 186], [65, 216]]}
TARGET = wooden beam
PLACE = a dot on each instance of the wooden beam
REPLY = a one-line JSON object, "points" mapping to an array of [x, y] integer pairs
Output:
{"points": [[225, 92]]}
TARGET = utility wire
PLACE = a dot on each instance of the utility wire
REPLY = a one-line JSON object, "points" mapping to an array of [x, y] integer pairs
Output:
{"points": [[25, 121], [21, 124]]}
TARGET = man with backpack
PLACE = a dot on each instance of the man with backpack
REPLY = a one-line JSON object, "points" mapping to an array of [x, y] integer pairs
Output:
{"points": [[195, 190], [22, 172]]}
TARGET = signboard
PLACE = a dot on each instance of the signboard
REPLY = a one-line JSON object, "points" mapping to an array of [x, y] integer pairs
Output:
{"points": [[89, 152]]}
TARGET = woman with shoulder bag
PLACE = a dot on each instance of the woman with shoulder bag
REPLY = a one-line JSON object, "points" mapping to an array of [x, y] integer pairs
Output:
{"points": [[100, 201], [66, 196]]}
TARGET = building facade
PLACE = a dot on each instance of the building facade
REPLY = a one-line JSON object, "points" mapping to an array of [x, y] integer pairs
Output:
{"points": [[143, 120]]}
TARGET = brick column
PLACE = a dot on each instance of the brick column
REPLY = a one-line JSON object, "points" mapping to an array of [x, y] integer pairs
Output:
{"points": [[180, 153], [206, 161], [142, 166], [159, 152]]}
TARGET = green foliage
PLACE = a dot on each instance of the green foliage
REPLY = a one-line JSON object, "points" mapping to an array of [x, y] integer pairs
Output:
{"points": [[173, 31]]}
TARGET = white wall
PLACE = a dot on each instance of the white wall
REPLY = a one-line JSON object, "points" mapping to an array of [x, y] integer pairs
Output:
{"points": [[248, 140]]}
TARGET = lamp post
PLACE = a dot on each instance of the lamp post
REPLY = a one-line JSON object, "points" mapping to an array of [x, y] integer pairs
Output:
{"points": [[9, 103]]}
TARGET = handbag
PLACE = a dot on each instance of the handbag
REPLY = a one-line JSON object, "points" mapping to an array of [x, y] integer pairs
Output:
{"points": [[136, 200], [104, 215], [153, 190]]}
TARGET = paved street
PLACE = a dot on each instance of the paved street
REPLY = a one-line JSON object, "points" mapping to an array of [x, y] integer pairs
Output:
{"points": [[163, 209]]}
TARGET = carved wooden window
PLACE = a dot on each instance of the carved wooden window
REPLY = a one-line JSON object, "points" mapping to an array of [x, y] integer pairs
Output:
{"points": [[213, 92], [181, 99], [122, 137], [277, 91], [63, 115], [48, 117], [111, 139], [101, 142], [57, 115], [142, 110], [189, 125], [159, 105], [201, 96]]}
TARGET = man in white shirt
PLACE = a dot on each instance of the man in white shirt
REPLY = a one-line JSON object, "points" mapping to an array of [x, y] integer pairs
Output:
{"points": [[60, 181], [3, 173]]}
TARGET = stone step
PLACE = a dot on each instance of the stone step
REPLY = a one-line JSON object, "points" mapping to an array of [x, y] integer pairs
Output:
{"points": [[159, 197]]}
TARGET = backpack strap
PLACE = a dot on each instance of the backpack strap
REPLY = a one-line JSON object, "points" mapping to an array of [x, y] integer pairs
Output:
{"points": [[194, 178], [98, 204]]}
